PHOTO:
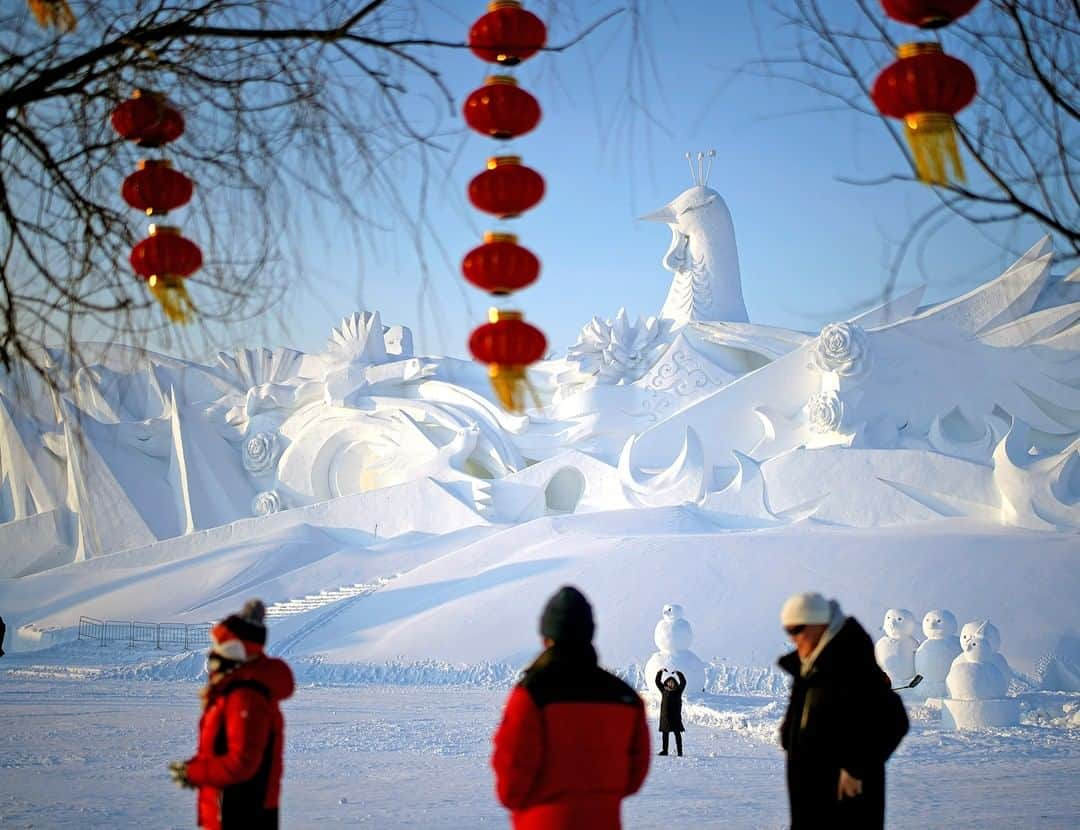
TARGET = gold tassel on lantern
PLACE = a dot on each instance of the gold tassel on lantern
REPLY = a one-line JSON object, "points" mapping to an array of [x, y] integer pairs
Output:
{"points": [[53, 13], [172, 295], [510, 384], [932, 139]]}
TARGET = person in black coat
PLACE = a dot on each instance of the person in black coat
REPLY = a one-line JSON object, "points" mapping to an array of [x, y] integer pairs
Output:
{"points": [[671, 691], [3, 631], [842, 723]]}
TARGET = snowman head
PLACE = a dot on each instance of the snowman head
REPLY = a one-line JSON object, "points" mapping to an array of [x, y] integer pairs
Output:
{"points": [[982, 631], [939, 624], [671, 611], [899, 622]]}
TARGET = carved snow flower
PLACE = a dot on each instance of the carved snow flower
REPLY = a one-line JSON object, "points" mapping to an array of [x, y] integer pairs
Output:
{"points": [[825, 411], [266, 503], [618, 351], [260, 452], [842, 349]]}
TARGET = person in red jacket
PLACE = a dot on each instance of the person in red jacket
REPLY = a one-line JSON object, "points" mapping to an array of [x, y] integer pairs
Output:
{"points": [[238, 766], [573, 741]]}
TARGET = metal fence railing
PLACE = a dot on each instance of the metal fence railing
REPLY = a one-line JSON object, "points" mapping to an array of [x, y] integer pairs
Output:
{"points": [[185, 636]]}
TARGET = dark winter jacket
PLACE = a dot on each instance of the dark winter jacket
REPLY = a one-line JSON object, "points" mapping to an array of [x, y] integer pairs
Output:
{"points": [[671, 703], [572, 744], [842, 715], [241, 738]]}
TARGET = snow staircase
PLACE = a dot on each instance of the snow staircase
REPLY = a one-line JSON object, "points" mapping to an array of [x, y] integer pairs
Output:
{"points": [[311, 602]]}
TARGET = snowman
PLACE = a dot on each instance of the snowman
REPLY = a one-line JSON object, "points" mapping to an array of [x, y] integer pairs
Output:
{"points": [[895, 652], [935, 656], [988, 631], [673, 636], [977, 687]]}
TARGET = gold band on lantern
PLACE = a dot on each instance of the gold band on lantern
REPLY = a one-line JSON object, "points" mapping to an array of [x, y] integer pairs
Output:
{"points": [[144, 163], [508, 80], [502, 161], [496, 315], [919, 47], [497, 236], [504, 4]]}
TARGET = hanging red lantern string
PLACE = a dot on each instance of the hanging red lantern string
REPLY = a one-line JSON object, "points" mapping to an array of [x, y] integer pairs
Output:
{"points": [[165, 259], [500, 266], [501, 109], [507, 188], [148, 119], [156, 188], [508, 345], [925, 88], [507, 34], [928, 14]]}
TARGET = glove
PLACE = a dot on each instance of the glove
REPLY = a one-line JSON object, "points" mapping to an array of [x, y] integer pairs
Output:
{"points": [[178, 773]]}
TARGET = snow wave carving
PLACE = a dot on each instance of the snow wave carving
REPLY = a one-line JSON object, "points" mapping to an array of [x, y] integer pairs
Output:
{"points": [[1040, 491], [682, 482], [842, 349]]}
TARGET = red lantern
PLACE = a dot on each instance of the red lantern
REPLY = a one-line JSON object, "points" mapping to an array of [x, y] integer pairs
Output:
{"points": [[925, 88], [165, 259], [928, 14], [508, 344], [156, 188], [500, 265], [507, 188], [507, 34], [148, 119], [501, 109]]}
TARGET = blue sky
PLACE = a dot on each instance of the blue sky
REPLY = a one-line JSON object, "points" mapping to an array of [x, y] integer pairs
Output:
{"points": [[812, 249]]}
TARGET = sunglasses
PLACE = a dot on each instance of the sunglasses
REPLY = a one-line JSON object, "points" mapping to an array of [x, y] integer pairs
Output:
{"points": [[794, 630]]}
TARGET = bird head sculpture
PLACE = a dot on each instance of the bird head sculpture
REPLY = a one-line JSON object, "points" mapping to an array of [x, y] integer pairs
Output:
{"points": [[707, 286]]}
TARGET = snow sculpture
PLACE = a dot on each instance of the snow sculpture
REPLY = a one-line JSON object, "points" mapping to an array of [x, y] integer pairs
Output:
{"points": [[901, 414], [895, 652], [260, 452], [935, 656], [266, 503], [986, 630], [825, 411], [842, 349], [977, 687], [702, 254], [673, 637], [618, 351]]}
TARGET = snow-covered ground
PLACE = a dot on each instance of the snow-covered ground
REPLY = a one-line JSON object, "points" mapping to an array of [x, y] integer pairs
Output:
{"points": [[84, 744]]}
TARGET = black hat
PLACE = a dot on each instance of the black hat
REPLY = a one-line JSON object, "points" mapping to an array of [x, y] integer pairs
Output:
{"points": [[567, 616]]}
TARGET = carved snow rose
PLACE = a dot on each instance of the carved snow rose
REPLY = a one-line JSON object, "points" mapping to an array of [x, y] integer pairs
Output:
{"points": [[266, 503], [260, 451], [842, 349], [825, 411]]}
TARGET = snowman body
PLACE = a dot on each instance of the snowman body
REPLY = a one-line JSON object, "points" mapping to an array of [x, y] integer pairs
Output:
{"points": [[935, 656], [673, 637], [895, 652], [977, 687]]}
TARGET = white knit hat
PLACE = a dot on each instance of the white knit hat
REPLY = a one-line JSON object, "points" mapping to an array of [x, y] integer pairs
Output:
{"points": [[810, 608]]}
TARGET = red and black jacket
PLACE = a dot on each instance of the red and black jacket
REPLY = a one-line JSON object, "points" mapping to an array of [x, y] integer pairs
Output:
{"points": [[572, 744], [238, 765]]}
